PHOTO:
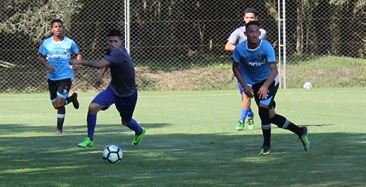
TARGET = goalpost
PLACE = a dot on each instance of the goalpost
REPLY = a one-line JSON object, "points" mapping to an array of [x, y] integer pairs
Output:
{"points": [[282, 60], [127, 25]]}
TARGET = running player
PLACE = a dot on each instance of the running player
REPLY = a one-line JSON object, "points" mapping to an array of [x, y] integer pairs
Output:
{"points": [[55, 54], [122, 90], [254, 65]]}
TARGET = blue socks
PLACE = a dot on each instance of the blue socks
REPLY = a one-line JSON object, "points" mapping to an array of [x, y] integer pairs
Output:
{"points": [[243, 114], [92, 121], [135, 127], [250, 113]]}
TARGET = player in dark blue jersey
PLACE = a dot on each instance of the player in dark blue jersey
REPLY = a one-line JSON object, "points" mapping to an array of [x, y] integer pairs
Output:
{"points": [[55, 54], [122, 90], [254, 65]]}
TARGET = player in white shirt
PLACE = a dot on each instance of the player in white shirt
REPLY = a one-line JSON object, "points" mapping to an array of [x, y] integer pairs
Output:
{"points": [[249, 14]]}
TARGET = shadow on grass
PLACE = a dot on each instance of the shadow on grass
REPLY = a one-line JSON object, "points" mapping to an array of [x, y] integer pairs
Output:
{"points": [[181, 159], [15, 129]]}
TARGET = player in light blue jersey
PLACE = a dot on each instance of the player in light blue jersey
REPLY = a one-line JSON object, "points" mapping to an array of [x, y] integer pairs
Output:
{"points": [[122, 90], [55, 54], [254, 65], [249, 14]]}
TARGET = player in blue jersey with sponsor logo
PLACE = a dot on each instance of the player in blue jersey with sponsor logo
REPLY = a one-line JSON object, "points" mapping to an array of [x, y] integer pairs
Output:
{"points": [[254, 65], [55, 54], [122, 90], [249, 14]]}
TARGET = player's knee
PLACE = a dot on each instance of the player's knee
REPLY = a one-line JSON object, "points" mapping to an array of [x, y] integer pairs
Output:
{"points": [[272, 113], [94, 108], [264, 114], [58, 103], [245, 99]]}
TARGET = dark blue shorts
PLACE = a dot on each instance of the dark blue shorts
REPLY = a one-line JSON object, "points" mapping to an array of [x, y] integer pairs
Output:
{"points": [[124, 105]]}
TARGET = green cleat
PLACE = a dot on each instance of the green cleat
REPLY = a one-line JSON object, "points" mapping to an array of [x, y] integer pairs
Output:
{"points": [[250, 123], [87, 142], [265, 150], [240, 125], [138, 138], [304, 139]]}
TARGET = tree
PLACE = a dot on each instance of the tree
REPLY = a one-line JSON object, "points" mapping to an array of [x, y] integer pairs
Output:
{"points": [[32, 17]]}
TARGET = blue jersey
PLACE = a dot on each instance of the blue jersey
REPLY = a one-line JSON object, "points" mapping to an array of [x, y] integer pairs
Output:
{"points": [[58, 55], [122, 72], [254, 64]]}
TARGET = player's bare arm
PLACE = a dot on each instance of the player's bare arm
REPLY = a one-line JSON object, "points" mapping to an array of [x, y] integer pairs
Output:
{"points": [[100, 76], [262, 92], [229, 47], [247, 90], [45, 63]]}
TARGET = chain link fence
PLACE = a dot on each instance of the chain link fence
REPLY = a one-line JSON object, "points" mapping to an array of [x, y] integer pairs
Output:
{"points": [[179, 45]]}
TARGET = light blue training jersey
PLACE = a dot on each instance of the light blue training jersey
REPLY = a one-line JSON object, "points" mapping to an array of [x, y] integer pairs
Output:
{"points": [[254, 64], [58, 55]]}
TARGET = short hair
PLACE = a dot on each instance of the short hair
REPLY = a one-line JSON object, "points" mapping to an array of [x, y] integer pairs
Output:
{"points": [[114, 32], [56, 21], [252, 23], [250, 10]]}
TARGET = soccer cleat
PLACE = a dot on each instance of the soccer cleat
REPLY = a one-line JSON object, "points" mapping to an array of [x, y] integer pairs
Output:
{"points": [[240, 125], [265, 150], [250, 123], [304, 138], [138, 138], [75, 101], [87, 142]]}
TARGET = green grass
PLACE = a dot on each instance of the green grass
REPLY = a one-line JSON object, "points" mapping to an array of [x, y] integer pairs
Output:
{"points": [[328, 72], [190, 141]]}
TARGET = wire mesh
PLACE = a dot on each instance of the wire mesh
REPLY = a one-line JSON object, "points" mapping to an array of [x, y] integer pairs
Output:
{"points": [[178, 44]]}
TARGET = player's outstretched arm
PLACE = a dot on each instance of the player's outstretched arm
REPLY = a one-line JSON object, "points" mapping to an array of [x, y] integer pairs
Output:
{"points": [[96, 64]]}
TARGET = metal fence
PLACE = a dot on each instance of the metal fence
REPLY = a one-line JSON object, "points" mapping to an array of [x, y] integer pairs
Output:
{"points": [[180, 44]]}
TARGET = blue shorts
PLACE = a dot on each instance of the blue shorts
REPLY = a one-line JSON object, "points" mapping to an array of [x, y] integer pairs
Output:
{"points": [[124, 105], [241, 89]]}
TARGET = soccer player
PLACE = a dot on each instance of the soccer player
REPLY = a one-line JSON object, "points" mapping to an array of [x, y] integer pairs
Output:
{"points": [[254, 65], [249, 14], [122, 90], [55, 54]]}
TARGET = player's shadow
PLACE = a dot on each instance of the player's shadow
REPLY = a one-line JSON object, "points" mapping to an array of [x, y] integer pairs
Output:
{"points": [[111, 128], [14, 129], [319, 125]]}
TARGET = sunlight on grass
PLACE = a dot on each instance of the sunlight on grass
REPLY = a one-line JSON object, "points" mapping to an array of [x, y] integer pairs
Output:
{"points": [[31, 170]]}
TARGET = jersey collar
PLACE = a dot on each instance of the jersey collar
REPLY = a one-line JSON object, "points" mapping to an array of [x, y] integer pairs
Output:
{"points": [[260, 43]]}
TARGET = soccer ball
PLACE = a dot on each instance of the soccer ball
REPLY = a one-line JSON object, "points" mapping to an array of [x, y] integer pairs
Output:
{"points": [[307, 85], [112, 154]]}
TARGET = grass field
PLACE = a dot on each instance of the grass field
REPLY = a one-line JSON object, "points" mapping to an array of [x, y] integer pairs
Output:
{"points": [[190, 141]]}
